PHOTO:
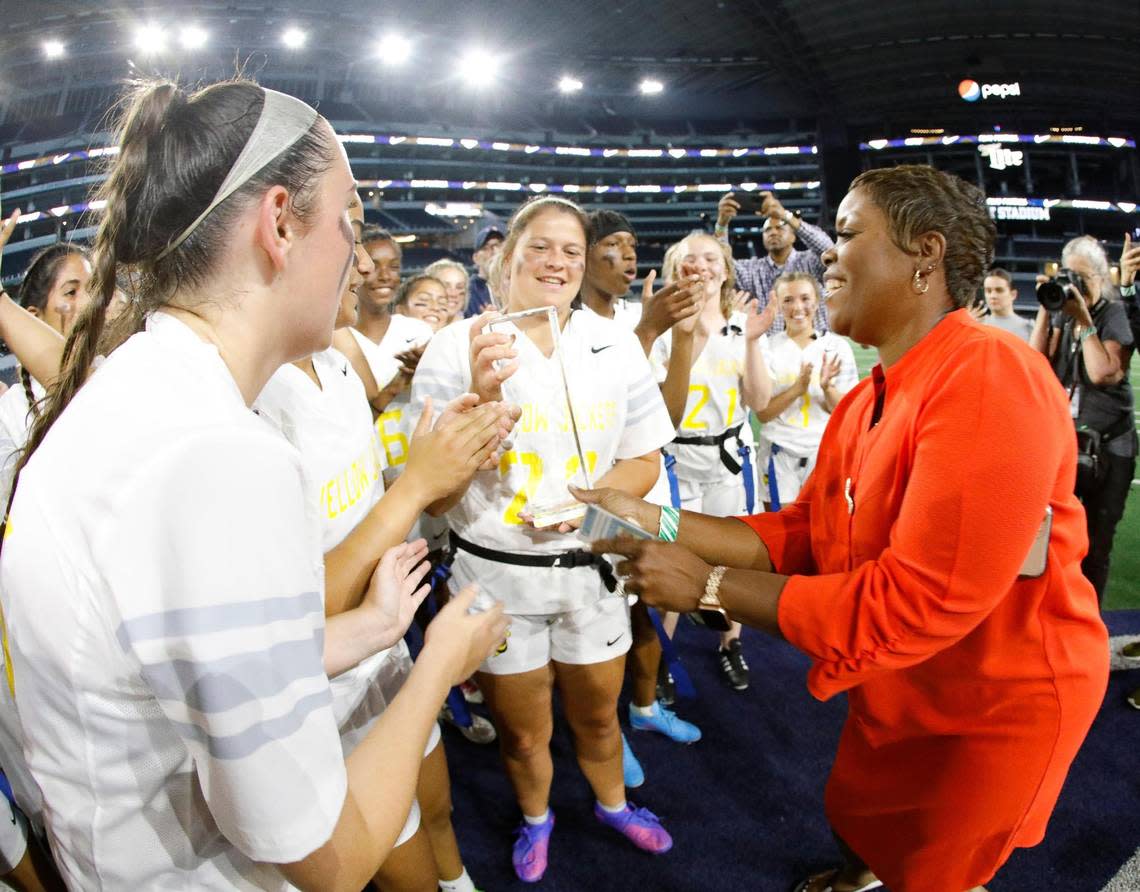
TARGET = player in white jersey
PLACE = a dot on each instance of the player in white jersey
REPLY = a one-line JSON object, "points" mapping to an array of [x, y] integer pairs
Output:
{"points": [[727, 378], [161, 574], [425, 298], [319, 404], [455, 280], [810, 373], [568, 627], [610, 270], [53, 290], [381, 340]]}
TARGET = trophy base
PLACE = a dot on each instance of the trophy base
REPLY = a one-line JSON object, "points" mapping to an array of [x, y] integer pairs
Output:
{"points": [[561, 512]]}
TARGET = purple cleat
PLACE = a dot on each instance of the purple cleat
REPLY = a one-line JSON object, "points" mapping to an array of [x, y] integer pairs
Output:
{"points": [[639, 825], [529, 855]]}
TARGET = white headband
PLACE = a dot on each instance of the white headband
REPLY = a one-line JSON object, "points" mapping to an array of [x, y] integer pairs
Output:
{"points": [[283, 120]]}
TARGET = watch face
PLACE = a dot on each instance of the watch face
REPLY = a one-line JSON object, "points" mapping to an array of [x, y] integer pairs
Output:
{"points": [[715, 618]]}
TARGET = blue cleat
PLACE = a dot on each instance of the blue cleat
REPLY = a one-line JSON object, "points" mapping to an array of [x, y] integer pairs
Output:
{"points": [[630, 767], [665, 721]]}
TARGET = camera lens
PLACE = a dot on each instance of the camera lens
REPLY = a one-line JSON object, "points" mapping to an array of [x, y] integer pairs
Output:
{"points": [[1051, 295]]}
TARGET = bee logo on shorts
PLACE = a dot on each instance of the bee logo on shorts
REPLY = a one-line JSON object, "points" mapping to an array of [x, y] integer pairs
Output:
{"points": [[502, 648]]}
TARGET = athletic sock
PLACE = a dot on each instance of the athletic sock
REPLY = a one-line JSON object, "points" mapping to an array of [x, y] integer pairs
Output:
{"points": [[461, 883], [613, 810], [535, 821], [645, 711]]}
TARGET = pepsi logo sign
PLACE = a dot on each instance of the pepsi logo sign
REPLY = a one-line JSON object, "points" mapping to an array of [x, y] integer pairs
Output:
{"points": [[972, 91]]}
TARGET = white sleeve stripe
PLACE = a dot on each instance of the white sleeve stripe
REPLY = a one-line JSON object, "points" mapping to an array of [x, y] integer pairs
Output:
{"points": [[249, 741], [650, 408], [183, 622], [639, 395], [215, 686]]}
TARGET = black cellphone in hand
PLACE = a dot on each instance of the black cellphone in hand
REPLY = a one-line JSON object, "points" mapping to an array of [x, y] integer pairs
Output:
{"points": [[750, 202]]}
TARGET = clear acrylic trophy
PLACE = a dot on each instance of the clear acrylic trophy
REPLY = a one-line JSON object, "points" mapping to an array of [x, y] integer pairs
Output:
{"points": [[548, 499]]}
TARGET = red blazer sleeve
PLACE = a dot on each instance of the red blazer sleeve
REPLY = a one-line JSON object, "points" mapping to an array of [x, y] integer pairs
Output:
{"points": [[787, 534], [991, 433]]}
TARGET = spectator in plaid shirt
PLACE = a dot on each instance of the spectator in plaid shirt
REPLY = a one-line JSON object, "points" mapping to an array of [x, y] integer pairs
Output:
{"points": [[758, 274]]}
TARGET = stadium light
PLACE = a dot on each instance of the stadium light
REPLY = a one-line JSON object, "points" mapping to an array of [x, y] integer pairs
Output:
{"points": [[150, 39], [478, 67], [394, 49], [569, 84], [294, 38], [53, 49], [192, 37], [650, 87]]}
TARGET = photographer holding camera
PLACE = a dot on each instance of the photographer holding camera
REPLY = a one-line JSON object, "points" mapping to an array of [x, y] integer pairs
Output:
{"points": [[1083, 330]]}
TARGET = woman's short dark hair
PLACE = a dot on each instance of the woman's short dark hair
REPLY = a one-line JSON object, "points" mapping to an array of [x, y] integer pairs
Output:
{"points": [[917, 198]]}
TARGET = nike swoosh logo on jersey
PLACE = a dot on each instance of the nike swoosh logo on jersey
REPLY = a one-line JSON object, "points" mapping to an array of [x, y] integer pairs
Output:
{"points": [[600, 349], [409, 340], [616, 640]]}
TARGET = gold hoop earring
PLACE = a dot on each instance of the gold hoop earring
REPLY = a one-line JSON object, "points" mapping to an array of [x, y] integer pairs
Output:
{"points": [[920, 283]]}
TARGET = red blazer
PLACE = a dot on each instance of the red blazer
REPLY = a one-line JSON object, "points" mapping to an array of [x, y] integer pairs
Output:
{"points": [[970, 688]]}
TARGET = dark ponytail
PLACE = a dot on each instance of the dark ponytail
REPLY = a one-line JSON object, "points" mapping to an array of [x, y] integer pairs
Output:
{"points": [[35, 289], [175, 151]]}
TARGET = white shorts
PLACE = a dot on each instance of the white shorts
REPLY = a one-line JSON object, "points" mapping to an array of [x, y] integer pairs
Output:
{"points": [[434, 529], [792, 472], [413, 823], [13, 837], [592, 634], [720, 499], [383, 689]]}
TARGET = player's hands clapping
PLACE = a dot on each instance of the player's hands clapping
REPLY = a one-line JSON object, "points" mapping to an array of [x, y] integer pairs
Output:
{"points": [[677, 303], [466, 438], [395, 591], [828, 370], [757, 322]]}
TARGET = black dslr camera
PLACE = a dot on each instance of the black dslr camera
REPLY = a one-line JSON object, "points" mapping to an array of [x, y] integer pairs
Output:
{"points": [[1066, 285]]}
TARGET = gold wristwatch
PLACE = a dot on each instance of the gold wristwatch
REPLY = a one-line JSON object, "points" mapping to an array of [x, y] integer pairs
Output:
{"points": [[709, 607]]}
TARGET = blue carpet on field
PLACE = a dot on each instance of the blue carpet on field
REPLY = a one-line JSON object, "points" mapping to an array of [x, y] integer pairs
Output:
{"points": [[744, 804]]}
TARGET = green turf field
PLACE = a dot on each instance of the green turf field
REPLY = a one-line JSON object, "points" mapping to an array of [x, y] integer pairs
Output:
{"points": [[1124, 581]]}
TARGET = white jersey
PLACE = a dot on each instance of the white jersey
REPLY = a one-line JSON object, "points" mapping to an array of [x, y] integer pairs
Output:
{"points": [[396, 423], [382, 365], [627, 314], [714, 403], [331, 426], [162, 585], [799, 428], [619, 414], [15, 423]]}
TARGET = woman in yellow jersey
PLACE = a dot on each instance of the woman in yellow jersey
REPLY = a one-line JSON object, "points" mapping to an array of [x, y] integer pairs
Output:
{"points": [[713, 445]]}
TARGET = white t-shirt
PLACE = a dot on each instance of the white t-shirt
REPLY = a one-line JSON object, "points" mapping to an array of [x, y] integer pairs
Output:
{"points": [[15, 424], [714, 403], [396, 423], [162, 584], [799, 428], [331, 426], [619, 414]]}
